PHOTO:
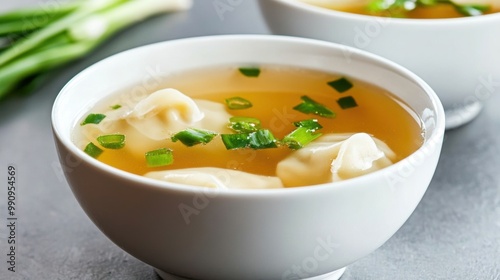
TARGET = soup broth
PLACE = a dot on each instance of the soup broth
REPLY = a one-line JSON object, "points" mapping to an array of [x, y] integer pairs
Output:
{"points": [[436, 11], [273, 94]]}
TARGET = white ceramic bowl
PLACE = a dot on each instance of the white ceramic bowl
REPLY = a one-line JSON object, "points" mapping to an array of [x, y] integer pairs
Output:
{"points": [[459, 58], [245, 234]]}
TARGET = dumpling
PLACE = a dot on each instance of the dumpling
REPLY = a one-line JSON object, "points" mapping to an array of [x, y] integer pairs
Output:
{"points": [[157, 117], [334, 157], [167, 111], [163, 112], [219, 178], [361, 154]]}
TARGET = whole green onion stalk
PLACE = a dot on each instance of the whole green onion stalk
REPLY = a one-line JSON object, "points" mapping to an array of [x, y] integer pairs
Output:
{"points": [[34, 41]]}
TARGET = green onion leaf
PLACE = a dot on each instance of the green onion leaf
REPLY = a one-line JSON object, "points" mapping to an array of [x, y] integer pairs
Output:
{"points": [[300, 137], [347, 102], [112, 141], [471, 9], [392, 8], [341, 85], [250, 71], [92, 150], [262, 139], [426, 2], [309, 106], [236, 103], [235, 141], [244, 124], [160, 157], [32, 49], [400, 8], [115, 107], [93, 118], [194, 136], [311, 124]]}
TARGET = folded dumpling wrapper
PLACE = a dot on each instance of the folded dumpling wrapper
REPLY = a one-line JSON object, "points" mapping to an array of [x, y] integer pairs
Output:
{"points": [[219, 178], [168, 111], [334, 157]]}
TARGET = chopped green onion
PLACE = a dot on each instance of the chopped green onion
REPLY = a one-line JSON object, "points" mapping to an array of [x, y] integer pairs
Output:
{"points": [[400, 8], [194, 136], [92, 150], [341, 85], [262, 139], [160, 157], [235, 141], [112, 141], [347, 102], [250, 71], [244, 124], [236, 103], [303, 135], [470, 9], [300, 137], [93, 118], [115, 107], [309, 106], [311, 124]]}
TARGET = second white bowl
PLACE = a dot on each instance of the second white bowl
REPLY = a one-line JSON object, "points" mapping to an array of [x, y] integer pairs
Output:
{"points": [[459, 58]]}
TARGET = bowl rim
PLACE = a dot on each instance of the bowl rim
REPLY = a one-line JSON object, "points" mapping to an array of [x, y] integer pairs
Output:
{"points": [[298, 4], [435, 138]]}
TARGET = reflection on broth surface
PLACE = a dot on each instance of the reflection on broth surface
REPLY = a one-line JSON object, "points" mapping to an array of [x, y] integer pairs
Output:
{"points": [[274, 93]]}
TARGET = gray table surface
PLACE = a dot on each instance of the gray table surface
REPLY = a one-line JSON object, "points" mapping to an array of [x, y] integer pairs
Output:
{"points": [[453, 234]]}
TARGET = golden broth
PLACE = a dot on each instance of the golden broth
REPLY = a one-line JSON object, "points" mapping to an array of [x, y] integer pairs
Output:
{"points": [[419, 12], [273, 94]]}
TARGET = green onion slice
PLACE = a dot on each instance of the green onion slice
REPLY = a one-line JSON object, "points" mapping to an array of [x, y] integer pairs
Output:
{"points": [[347, 102], [160, 157], [93, 118], [194, 136], [311, 124], [309, 106], [92, 150], [300, 137], [400, 8], [112, 141], [341, 85], [235, 141], [115, 107], [244, 124], [262, 139], [236, 103], [470, 9], [252, 72]]}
